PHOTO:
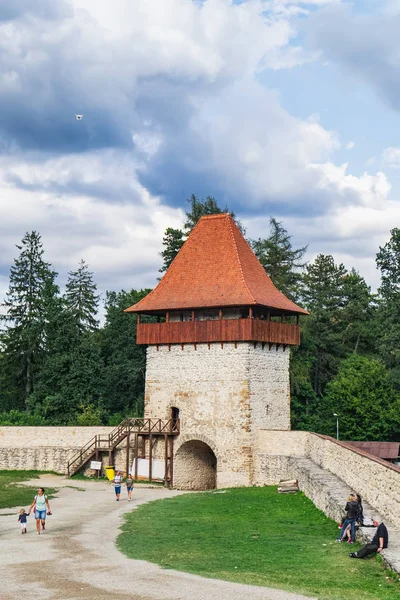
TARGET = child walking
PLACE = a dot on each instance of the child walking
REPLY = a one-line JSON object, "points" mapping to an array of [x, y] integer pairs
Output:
{"points": [[22, 518], [129, 486]]}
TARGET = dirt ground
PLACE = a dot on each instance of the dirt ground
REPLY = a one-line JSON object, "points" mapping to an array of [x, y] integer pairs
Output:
{"points": [[77, 557]]}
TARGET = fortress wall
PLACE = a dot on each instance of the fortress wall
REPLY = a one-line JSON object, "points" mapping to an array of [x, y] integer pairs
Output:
{"points": [[279, 454], [376, 480], [44, 448], [66, 437]]}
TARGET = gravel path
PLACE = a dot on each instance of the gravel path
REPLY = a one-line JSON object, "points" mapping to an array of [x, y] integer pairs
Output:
{"points": [[77, 558]]}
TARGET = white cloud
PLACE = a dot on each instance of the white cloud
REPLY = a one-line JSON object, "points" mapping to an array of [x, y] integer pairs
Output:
{"points": [[172, 102], [391, 157], [120, 240]]}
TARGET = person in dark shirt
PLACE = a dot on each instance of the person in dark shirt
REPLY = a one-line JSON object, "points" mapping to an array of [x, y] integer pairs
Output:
{"points": [[379, 541], [22, 519], [352, 509]]}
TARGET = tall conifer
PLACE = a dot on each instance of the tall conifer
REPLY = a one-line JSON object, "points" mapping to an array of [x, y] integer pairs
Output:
{"points": [[31, 290]]}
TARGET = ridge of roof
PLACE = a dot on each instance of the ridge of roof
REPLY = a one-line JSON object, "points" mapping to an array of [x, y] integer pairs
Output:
{"points": [[239, 261], [215, 268]]}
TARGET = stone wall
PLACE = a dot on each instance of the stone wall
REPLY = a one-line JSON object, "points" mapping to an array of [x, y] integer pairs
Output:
{"points": [[279, 455], [43, 448], [269, 387], [224, 393]]}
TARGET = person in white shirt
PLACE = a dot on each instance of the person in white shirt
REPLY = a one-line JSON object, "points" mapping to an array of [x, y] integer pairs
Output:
{"points": [[117, 484]]}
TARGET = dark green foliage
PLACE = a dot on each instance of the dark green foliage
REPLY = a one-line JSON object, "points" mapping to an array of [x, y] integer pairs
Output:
{"points": [[58, 367], [323, 296], [30, 293], [388, 261], [81, 299], [124, 360], [283, 263], [173, 241], [367, 405]]}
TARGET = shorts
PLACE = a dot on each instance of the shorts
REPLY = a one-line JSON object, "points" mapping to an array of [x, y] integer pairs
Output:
{"points": [[117, 489], [40, 514], [23, 525], [129, 489]]}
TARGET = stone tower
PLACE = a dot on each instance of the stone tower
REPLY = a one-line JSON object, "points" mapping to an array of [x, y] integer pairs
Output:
{"points": [[218, 357]]}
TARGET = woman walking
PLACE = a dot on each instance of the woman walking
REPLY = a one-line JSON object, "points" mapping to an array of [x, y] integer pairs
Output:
{"points": [[41, 507], [117, 484]]}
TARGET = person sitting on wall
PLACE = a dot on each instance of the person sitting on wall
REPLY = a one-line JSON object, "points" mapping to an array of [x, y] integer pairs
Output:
{"points": [[352, 509], [378, 543]]}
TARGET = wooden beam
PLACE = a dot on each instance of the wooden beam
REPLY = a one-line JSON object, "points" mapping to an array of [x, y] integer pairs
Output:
{"points": [[138, 319], [127, 453], [150, 457], [166, 460], [136, 454], [171, 461], [250, 312]]}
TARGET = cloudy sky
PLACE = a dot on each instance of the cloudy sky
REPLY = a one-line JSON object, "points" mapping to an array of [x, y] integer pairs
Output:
{"points": [[284, 108]]}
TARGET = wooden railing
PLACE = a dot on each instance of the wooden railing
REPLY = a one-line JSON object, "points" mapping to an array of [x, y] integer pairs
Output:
{"points": [[223, 330], [101, 443]]}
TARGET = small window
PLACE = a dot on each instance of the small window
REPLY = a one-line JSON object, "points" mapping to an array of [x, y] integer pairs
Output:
{"points": [[174, 413]]}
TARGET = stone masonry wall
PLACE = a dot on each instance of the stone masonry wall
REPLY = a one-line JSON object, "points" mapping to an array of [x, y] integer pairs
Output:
{"points": [[220, 392], [43, 448], [269, 387], [279, 455]]}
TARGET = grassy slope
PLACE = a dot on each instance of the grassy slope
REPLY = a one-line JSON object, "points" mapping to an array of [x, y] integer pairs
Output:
{"points": [[12, 495], [254, 536]]}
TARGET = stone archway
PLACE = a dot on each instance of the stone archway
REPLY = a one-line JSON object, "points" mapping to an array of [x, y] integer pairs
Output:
{"points": [[195, 466]]}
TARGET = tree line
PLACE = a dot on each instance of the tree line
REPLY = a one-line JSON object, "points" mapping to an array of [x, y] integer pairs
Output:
{"points": [[59, 366]]}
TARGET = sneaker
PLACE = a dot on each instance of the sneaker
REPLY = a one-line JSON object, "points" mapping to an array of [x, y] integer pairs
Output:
{"points": [[353, 555], [129, 499], [38, 532], [349, 542], [338, 540]]}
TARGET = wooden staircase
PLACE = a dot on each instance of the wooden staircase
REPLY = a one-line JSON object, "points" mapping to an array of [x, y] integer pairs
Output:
{"points": [[100, 444]]}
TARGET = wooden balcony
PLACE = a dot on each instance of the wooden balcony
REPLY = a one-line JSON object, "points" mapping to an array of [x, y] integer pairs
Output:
{"points": [[224, 330]]}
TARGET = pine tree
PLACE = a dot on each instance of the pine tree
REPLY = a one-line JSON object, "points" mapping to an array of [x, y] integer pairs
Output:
{"points": [[124, 360], [323, 297], [200, 208], [388, 261], [173, 241], [283, 263], [358, 314], [81, 298], [31, 290]]}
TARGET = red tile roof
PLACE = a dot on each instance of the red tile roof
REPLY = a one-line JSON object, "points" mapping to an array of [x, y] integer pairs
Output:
{"points": [[386, 450], [215, 268]]}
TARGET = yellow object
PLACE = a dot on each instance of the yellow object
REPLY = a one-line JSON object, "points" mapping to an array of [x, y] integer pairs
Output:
{"points": [[110, 473]]}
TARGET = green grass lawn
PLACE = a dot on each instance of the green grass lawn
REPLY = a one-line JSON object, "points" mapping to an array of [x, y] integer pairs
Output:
{"points": [[13, 494], [255, 536]]}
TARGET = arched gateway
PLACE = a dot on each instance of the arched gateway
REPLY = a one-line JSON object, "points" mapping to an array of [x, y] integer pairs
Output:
{"points": [[218, 356], [195, 466]]}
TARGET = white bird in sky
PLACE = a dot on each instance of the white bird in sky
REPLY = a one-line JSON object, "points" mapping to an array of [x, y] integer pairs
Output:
{"points": [[79, 117]]}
